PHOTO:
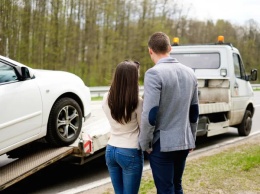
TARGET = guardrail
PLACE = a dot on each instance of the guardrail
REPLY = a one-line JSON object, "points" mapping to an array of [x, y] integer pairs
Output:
{"points": [[99, 91], [255, 86]]}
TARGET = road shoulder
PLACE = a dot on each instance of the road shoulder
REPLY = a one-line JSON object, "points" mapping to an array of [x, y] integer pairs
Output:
{"points": [[208, 151]]}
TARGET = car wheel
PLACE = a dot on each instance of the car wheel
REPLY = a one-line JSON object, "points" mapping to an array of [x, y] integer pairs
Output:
{"points": [[244, 128], [65, 122]]}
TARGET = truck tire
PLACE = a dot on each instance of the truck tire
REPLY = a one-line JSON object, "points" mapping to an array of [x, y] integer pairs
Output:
{"points": [[244, 128], [65, 122]]}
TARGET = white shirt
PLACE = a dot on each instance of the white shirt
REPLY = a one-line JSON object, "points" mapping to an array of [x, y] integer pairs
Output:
{"points": [[124, 135]]}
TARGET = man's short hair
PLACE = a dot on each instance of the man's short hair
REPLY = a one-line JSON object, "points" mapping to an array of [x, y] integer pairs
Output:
{"points": [[159, 42]]}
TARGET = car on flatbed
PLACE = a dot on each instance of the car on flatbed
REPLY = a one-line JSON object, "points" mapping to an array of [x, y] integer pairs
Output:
{"points": [[37, 104]]}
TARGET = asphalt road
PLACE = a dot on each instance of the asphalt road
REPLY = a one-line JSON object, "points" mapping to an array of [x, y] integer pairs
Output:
{"points": [[63, 177]]}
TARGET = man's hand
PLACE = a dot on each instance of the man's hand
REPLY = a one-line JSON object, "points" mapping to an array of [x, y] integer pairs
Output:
{"points": [[149, 150]]}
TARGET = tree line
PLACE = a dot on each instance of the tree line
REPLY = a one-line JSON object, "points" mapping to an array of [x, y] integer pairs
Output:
{"points": [[90, 37]]}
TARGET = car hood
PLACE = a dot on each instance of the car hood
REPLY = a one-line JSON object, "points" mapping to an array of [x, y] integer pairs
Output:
{"points": [[56, 76]]}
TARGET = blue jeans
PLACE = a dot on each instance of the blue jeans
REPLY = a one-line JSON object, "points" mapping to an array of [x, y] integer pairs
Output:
{"points": [[167, 169], [125, 166]]}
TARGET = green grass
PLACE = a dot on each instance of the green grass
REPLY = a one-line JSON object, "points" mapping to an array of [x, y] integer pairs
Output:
{"points": [[147, 184], [235, 170], [97, 98]]}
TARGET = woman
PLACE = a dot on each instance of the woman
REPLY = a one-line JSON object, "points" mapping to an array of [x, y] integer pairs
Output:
{"points": [[123, 107]]}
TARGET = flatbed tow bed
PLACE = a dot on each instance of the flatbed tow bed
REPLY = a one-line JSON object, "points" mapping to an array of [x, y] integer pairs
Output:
{"points": [[90, 145], [24, 167]]}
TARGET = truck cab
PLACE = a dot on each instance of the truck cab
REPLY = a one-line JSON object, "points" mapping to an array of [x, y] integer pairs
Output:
{"points": [[225, 93]]}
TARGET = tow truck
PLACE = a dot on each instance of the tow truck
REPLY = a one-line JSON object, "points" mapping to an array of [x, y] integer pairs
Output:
{"points": [[90, 145], [225, 92]]}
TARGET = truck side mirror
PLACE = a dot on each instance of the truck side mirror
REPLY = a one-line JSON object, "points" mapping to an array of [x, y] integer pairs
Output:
{"points": [[253, 75]]}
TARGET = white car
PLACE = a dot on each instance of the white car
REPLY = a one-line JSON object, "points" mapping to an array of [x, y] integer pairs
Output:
{"points": [[40, 103]]}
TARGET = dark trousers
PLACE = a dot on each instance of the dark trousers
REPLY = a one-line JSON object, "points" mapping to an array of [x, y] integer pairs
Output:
{"points": [[167, 169]]}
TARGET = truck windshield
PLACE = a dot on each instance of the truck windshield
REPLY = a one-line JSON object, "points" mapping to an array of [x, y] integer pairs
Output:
{"points": [[198, 60]]}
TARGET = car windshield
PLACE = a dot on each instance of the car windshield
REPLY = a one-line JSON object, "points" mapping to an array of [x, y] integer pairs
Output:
{"points": [[198, 60]]}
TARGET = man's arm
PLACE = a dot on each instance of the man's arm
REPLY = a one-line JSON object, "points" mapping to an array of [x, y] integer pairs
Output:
{"points": [[194, 112], [152, 92]]}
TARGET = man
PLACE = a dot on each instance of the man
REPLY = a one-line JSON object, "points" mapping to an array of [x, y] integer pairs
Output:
{"points": [[169, 117]]}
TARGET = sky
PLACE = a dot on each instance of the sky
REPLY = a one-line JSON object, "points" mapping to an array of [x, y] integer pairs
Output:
{"points": [[235, 11]]}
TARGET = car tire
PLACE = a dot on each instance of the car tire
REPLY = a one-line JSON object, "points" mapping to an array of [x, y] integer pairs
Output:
{"points": [[65, 122], [244, 128]]}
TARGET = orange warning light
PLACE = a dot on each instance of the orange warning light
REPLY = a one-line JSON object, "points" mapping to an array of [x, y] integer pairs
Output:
{"points": [[175, 41], [221, 39]]}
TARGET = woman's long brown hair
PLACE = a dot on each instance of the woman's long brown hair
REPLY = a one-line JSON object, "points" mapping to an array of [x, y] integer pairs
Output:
{"points": [[123, 93]]}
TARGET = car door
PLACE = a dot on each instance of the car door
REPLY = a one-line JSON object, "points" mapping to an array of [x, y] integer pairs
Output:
{"points": [[240, 89], [21, 109]]}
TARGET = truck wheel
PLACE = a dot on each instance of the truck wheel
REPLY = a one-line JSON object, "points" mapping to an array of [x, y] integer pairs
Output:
{"points": [[65, 122], [244, 128]]}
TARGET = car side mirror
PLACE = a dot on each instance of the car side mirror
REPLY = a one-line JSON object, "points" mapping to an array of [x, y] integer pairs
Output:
{"points": [[23, 73], [253, 75]]}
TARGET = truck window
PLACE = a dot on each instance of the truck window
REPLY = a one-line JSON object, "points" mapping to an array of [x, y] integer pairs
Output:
{"points": [[238, 67], [198, 60]]}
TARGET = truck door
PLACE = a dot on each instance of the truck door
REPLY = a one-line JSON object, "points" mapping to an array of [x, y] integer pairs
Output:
{"points": [[240, 90]]}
